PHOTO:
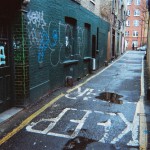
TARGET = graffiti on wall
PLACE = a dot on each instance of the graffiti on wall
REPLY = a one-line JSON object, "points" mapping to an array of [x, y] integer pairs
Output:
{"points": [[36, 18], [18, 56], [2, 55], [81, 40], [55, 37]]}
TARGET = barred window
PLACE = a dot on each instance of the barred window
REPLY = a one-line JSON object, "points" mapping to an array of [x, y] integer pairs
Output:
{"points": [[126, 33], [136, 23], [128, 12], [129, 2], [137, 2], [127, 23], [137, 12], [135, 33]]}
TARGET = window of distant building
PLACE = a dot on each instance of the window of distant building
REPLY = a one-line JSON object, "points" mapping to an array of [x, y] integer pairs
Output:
{"points": [[127, 33], [135, 33], [137, 2], [137, 12], [129, 2], [135, 43], [127, 23], [128, 12], [136, 23]]}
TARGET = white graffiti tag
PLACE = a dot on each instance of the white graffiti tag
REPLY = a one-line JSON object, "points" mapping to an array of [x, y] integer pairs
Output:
{"points": [[36, 18]]}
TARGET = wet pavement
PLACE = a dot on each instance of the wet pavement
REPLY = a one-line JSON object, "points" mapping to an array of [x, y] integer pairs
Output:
{"points": [[98, 114]]}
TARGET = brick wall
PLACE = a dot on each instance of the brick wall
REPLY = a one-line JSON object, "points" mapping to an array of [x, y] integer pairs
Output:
{"points": [[60, 43], [21, 58], [93, 6]]}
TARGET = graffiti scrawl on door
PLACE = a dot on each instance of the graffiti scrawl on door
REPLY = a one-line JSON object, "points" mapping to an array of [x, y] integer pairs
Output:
{"points": [[2, 55]]}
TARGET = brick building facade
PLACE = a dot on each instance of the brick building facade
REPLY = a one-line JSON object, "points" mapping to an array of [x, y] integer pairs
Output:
{"points": [[136, 24], [45, 42], [115, 13]]}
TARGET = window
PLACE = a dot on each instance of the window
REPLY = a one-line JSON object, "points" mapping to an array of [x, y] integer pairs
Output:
{"points": [[135, 33], [127, 33], [137, 12], [87, 34], [135, 43], [137, 2], [127, 23], [129, 2], [70, 35], [128, 12], [136, 23]]}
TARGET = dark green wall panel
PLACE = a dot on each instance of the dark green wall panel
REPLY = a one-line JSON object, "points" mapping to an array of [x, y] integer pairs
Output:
{"points": [[53, 43]]}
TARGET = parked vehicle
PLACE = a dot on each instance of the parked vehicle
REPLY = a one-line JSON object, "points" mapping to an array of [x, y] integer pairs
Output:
{"points": [[142, 48]]}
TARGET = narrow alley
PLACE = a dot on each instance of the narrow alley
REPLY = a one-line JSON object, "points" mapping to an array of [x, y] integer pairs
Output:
{"points": [[99, 113]]}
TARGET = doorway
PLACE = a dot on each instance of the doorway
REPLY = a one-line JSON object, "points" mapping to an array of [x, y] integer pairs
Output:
{"points": [[93, 46], [5, 66]]}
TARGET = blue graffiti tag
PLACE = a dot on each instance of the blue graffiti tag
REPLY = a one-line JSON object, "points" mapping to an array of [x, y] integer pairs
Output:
{"points": [[54, 38], [44, 43]]}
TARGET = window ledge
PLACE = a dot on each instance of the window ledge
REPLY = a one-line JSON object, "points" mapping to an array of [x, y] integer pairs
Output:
{"points": [[87, 58], [93, 2], [77, 1], [70, 62]]}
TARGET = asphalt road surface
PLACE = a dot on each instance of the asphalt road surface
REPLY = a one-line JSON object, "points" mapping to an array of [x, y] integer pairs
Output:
{"points": [[99, 114]]}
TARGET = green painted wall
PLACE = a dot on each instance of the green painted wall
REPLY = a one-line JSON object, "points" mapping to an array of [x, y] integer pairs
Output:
{"points": [[58, 43]]}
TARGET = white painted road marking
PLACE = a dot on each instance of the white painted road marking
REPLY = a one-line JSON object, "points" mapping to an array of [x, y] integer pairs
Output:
{"points": [[125, 131], [80, 93], [107, 126], [54, 121], [130, 127]]}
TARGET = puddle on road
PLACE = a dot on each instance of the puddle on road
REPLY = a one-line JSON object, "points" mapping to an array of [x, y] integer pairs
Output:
{"points": [[110, 97], [78, 143]]}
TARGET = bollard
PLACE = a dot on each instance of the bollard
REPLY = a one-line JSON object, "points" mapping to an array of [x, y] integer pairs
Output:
{"points": [[105, 63], [69, 81]]}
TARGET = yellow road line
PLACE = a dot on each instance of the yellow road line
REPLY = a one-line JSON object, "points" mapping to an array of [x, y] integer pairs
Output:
{"points": [[26, 121]]}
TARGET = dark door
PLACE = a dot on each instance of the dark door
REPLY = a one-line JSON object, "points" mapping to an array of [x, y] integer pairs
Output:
{"points": [[93, 46], [113, 43], [5, 69]]}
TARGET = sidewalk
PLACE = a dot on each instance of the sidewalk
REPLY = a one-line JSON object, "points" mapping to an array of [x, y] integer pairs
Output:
{"points": [[147, 105]]}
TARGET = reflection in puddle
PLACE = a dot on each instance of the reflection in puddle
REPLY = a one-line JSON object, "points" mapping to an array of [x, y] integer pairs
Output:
{"points": [[78, 143], [110, 97]]}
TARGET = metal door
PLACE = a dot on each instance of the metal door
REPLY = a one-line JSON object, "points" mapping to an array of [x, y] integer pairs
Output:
{"points": [[5, 66]]}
